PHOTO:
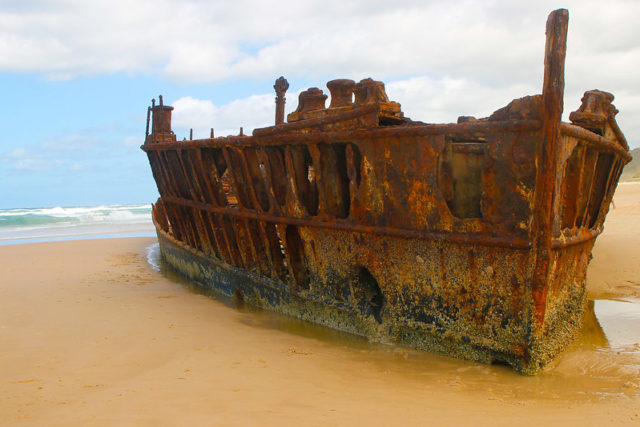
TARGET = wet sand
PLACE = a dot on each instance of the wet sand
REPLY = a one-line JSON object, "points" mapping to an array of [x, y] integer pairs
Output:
{"points": [[90, 333]]}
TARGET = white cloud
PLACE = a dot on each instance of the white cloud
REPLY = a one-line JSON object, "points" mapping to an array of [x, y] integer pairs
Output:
{"points": [[193, 113], [71, 153], [132, 141], [444, 100], [74, 142], [463, 56], [29, 160], [208, 41], [17, 153], [202, 115], [422, 98]]}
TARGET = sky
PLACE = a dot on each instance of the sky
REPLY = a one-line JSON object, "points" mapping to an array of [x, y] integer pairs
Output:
{"points": [[76, 76]]}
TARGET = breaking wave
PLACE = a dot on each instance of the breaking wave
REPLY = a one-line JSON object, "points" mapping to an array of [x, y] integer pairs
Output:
{"points": [[61, 222]]}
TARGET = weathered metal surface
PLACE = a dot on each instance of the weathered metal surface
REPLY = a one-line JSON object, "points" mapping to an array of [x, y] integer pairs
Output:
{"points": [[471, 239]]}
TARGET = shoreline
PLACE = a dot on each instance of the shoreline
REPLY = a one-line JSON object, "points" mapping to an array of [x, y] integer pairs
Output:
{"points": [[34, 225], [72, 237]]}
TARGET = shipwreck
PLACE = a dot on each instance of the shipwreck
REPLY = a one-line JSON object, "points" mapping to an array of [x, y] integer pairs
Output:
{"points": [[470, 239]]}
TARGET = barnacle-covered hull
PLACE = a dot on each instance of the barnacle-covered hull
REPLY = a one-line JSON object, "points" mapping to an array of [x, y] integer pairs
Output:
{"points": [[470, 239], [486, 323]]}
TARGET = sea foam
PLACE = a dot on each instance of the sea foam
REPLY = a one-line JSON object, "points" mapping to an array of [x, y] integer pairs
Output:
{"points": [[66, 223]]}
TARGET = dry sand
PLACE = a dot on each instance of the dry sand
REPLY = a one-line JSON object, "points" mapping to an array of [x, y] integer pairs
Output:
{"points": [[614, 271], [91, 334]]}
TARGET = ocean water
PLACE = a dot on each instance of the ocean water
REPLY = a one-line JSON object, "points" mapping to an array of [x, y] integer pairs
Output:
{"points": [[73, 223]]}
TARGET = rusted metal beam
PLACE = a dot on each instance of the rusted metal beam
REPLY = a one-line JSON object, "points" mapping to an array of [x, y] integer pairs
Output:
{"points": [[552, 105], [513, 242], [376, 134], [596, 141], [581, 236]]}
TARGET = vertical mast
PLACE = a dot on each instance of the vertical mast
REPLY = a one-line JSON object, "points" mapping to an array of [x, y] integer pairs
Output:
{"points": [[552, 105]]}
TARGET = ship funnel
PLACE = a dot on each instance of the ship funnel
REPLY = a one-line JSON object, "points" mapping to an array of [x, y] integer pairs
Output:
{"points": [[161, 122]]}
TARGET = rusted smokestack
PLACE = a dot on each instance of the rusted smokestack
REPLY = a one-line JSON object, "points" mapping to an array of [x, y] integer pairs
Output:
{"points": [[161, 118]]}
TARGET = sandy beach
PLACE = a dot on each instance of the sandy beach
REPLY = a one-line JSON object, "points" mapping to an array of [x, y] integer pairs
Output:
{"points": [[92, 334], [614, 271]]}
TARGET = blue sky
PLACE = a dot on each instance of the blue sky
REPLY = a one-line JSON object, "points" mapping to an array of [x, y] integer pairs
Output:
{"points": [[76, 77], [75, 142]]}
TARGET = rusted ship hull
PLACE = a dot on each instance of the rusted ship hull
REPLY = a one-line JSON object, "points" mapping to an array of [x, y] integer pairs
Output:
{"points": [[485, 323], [469, 239]]}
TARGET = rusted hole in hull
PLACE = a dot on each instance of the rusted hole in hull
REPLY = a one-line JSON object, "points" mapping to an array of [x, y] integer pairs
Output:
{"points": [[390, 121], [215, 166], [344, 179], [500, 362], [354, 163], [311, 173], [240, 182], [570, 187], [335, 179], [603, 166], [588, 170], [281, 248], [367, 296], [276, 250], [278, 175], [228, 189], [305, 174], [215, 158], [295, 248], [257, 177]]}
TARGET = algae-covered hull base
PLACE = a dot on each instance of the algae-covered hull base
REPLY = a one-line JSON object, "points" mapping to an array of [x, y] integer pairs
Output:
{"points": [[528, 358]]}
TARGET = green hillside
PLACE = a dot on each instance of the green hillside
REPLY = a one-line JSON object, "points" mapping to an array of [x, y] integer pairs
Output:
{"points": [[632, 170]]}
